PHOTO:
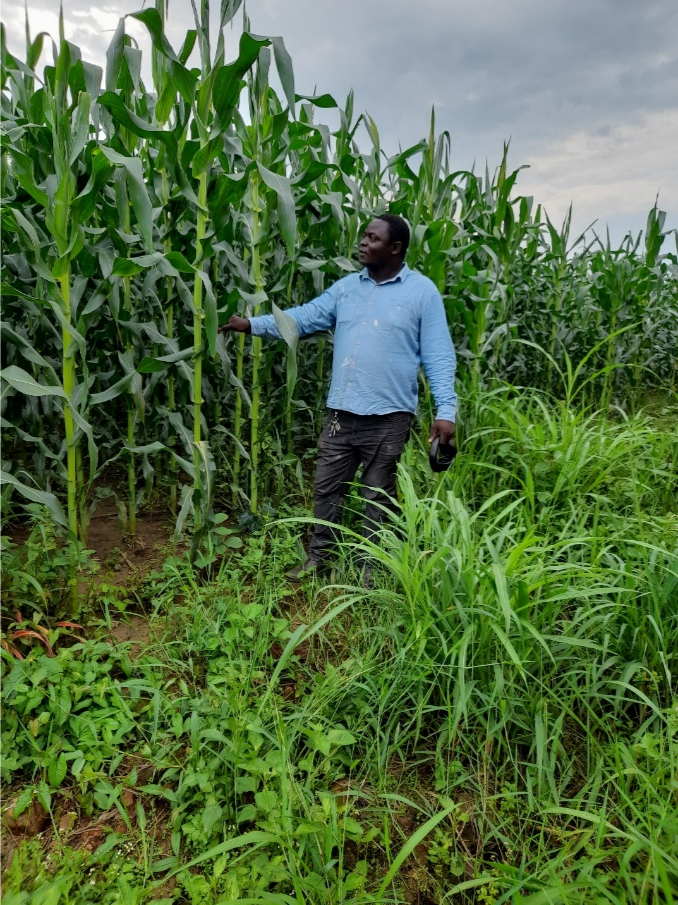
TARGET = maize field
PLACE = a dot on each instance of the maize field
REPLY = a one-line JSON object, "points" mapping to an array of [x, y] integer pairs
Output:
{"points": [[497, 721]]}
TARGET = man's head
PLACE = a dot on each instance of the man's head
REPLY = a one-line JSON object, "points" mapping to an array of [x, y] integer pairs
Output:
{"points": [[384, 241]]}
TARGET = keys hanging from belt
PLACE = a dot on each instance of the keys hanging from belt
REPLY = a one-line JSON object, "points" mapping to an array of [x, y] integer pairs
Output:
{"points": [[335, 427]]}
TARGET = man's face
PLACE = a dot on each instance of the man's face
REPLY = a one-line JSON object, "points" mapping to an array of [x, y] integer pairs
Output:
{"points": [[376, 247]]}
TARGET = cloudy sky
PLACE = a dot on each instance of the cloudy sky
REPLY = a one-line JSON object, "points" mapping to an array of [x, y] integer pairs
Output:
{"points": [[586, 90]]}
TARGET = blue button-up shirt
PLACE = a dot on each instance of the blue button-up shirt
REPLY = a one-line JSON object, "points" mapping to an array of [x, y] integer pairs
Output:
{"points": [[383, 332]]}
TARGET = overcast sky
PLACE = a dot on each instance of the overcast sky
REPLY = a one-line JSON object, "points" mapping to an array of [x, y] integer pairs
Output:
{"points": [[587, 90]]}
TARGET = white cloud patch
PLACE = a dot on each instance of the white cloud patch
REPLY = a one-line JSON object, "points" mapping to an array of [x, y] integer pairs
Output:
{"points": [[613, 173], [90, 27]]}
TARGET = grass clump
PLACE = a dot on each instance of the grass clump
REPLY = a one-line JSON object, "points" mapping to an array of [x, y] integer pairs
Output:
{"points": [[495, 722]]}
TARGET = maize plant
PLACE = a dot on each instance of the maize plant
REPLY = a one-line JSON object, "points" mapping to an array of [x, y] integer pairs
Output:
{"points": [[138, 217]]}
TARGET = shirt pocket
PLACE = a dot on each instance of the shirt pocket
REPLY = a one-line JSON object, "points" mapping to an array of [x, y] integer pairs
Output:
{"points": [[349, 310], [400, 317]]}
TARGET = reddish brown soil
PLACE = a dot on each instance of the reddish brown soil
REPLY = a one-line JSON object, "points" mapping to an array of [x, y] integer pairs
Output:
{"points": [[126, 556], [120, 556]]}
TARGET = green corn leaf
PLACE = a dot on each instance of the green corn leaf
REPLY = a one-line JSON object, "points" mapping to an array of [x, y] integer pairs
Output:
{"points": [[28, 438], [187, 46], [179, 262], [138, 192], [35, 50], [28, 228], [23, 382], [224, 314], [75, 245], [202, 161], [283, 63], [114, 56], [126, 267], [86, 429], [86, 77], [163, 107], [147, 448], [80, 127], [192, 472], [244, 395], [286, 207], [228, 10], [135, 124], [308, 265], [183, 79], [37, 496], [84, 204], [230, 189], [156, 336], [26, 349], [78, 339], [178, 424], [344, 264], [22, 168], [287, 325], [318, 100], [228, 79], [26, 384], [211, 316], [312, 173], [186, 504], [207, 470], [112, 392], [133, 61], [150, 365], [135, 387], [253, 299]]}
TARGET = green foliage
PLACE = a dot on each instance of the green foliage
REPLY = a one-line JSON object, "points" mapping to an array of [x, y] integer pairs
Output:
{"points": [[225, 763], [501, 708], [144, 215], [36, 575], [71, 716]]}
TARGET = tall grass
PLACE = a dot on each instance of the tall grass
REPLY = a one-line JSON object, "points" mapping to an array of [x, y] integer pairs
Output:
{"points": [[495, 721], [524, 643]]}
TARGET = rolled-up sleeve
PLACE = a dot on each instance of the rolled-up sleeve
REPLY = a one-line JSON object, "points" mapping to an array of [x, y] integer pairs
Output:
{"points": [[315, 316], [438, 356]]}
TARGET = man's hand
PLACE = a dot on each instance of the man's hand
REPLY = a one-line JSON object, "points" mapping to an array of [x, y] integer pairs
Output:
{"points": [[237, 324], [443, 429]]}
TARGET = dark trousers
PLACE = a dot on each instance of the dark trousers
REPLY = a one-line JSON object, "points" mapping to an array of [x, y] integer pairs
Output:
{"points": [[377, 442]]}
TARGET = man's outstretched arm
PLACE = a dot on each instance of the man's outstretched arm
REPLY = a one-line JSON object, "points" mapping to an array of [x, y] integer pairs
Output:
{"points": [[313, 317]]}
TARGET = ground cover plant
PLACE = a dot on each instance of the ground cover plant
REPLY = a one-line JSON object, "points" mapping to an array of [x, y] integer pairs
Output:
{"points": [[497, 720]]}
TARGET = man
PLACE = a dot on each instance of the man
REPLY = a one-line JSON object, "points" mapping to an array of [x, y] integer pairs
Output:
{"points": [[387, 320]]}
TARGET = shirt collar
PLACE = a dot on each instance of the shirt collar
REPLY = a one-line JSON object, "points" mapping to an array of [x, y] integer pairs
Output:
{"points": [[400, 277]]}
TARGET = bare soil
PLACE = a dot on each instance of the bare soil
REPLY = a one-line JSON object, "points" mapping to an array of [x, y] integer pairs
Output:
{"points": [[122, 558], [125, 555]]}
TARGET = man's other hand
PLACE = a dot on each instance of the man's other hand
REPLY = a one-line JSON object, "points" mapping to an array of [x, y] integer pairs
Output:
{"points": [[238, 325], [445, 430]]}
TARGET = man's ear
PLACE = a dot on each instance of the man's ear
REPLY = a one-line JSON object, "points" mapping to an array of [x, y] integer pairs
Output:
{"points": [[397, 248]]}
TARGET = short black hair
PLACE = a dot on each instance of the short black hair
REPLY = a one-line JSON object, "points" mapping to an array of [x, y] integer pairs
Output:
{"points": [[398, 230]]}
